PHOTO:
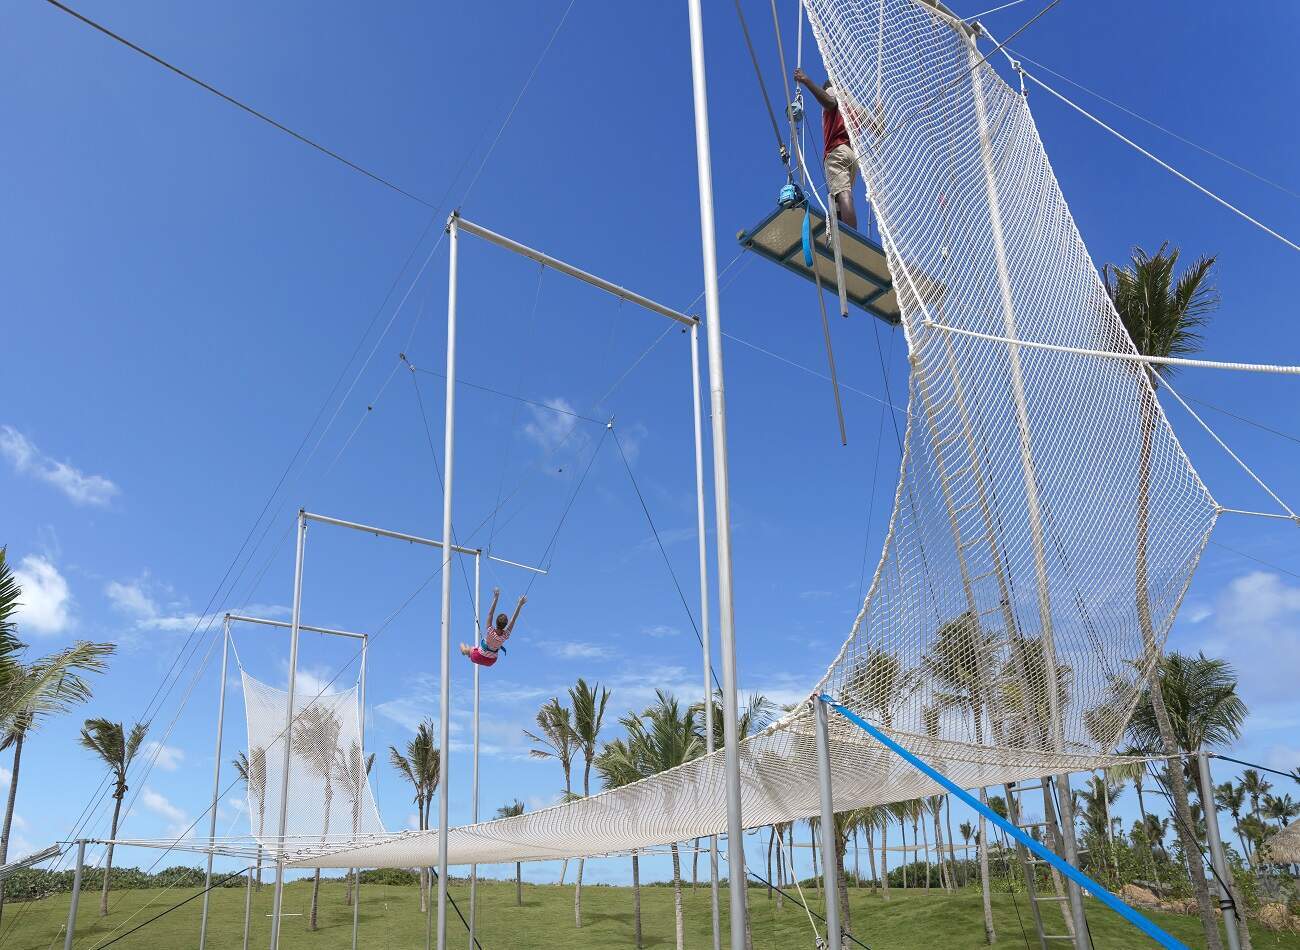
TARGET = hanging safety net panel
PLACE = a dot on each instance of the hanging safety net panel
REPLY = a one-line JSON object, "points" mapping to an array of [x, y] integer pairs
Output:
{"points": [[1046, 521], [330, 800]]}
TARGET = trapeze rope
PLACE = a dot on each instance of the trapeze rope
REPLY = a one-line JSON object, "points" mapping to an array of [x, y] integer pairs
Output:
{"points": [[667, 563]]}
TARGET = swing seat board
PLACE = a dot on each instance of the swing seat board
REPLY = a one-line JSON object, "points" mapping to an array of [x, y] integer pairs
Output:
{"points": [[868, 284]]}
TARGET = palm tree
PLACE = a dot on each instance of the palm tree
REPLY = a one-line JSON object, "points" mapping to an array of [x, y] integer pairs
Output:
{"points": [[352, 774], [1163, 315], [967, 831], [1256, 787], [316, 740], [31, 693], [117, 746], [589, 704], [662, 737], [1232, 798], [421, 766], [252, 769], [617, 767], [555, 739], [513, 810], [1195, 706], [1281, 809]]}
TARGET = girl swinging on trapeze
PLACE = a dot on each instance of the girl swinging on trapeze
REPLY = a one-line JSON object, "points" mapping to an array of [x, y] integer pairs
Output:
{"points": [[497, 632]]}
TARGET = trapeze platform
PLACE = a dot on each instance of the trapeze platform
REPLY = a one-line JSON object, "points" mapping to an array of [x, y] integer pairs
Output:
{"points": [[868, 284]]}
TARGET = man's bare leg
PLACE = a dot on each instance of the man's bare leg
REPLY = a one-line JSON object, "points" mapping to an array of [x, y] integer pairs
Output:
{"points": [[844, 209]]}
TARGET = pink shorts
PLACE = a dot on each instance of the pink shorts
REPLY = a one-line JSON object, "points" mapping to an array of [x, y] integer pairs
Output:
{"points": [[482, 657]]}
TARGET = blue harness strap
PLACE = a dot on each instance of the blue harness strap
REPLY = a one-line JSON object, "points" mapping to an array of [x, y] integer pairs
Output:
{"points": [[807, 238], [1074, 874]]}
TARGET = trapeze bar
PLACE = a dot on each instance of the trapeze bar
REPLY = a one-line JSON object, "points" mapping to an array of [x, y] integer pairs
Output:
{"points": [[385, 533], [469, 227], [526, 567], [285, 625]]}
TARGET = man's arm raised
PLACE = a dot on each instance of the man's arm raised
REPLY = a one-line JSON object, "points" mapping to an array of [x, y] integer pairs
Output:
{"points": [[824, 98]]}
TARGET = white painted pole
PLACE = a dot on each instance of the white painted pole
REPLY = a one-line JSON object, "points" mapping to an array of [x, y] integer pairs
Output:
{"points": [[721, 488], [216, 779], [704, 613], [448, 449], [1218, 859], [277, 904], [473, 870], [248, 902], [71, 929], [830, 864], [362, 780]]}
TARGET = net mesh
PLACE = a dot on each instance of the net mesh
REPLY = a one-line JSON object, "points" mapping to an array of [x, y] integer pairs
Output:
{"points": [[329, 796], [1046, 522]]}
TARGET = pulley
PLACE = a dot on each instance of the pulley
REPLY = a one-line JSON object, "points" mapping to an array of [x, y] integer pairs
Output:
{"points": [[791, 195]]}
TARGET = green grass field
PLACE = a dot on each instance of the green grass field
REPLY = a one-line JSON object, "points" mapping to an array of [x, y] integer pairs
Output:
{"points": [[390, 919]]}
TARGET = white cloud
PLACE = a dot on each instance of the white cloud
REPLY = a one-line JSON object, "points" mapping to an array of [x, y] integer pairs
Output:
{"points": [[27, 459], [576, 650], [134, 600], [1256, 627], [177, 821], [311, 683], [550, 429], [5, 775], [659, 631], [168, 758], [46, 599]]}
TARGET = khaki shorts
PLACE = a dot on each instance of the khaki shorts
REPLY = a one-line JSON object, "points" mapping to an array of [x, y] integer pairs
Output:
{"points": [[841, 167]]}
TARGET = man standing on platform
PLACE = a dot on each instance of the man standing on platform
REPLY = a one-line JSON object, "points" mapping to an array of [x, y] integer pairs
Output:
{"points": [[841, 161]]}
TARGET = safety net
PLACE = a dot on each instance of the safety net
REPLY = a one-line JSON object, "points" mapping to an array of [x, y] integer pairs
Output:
{"points": [[1046, 522]]}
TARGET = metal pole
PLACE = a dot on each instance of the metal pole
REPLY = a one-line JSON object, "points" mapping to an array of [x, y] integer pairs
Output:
{"points": [[71, 930], [448, 449], [700, 530], [248, 903], [830, 864], [1032, 510], [469, 227], [473, 870], [361, 784], [288, 730], [1218, 859], [721, 488], [216, 779]]}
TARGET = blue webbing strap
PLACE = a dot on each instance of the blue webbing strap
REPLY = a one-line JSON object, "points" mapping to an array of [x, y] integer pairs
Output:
{"points": [[1075, 875]]}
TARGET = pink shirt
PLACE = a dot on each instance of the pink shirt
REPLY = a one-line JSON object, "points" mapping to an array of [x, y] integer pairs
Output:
{"points": [[493, 638]]}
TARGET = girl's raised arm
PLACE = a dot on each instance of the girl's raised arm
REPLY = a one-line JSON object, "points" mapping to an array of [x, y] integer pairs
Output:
{"points": [[518, 607]]}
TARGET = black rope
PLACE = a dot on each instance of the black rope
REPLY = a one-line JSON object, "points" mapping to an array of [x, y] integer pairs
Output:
{"points": [[455, 907], [762, 880], [669, 564], [236, 103], [522, 399], [564, 515], [1006, 868], [228, 877], [762, 87], [1189, 835], [1254, 765]]}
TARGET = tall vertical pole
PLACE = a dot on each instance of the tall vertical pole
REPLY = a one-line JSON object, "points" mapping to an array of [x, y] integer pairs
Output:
{"points": [[448, 449], [721, 484], [71, 930], [830, 849], [295, 620], [362, 781], [1218, 860], [216, 779], [1032, 507], [473, 870], [248, 906], [700, 530]]}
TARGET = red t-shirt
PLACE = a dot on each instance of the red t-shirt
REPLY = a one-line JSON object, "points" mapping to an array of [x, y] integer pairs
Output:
{"points": [[833, 131]]}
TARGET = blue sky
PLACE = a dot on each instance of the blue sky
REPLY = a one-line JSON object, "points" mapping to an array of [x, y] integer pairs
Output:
{"points": [[182, 285]]}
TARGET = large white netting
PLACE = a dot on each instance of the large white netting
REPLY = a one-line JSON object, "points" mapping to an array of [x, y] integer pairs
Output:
{"points": [[1046, 521], [329, 796]]}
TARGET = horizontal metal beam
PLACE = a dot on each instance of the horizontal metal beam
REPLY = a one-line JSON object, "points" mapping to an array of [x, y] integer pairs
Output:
{"points": [[469, 227], [414, 539], [385, 533], [285, 625]]}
